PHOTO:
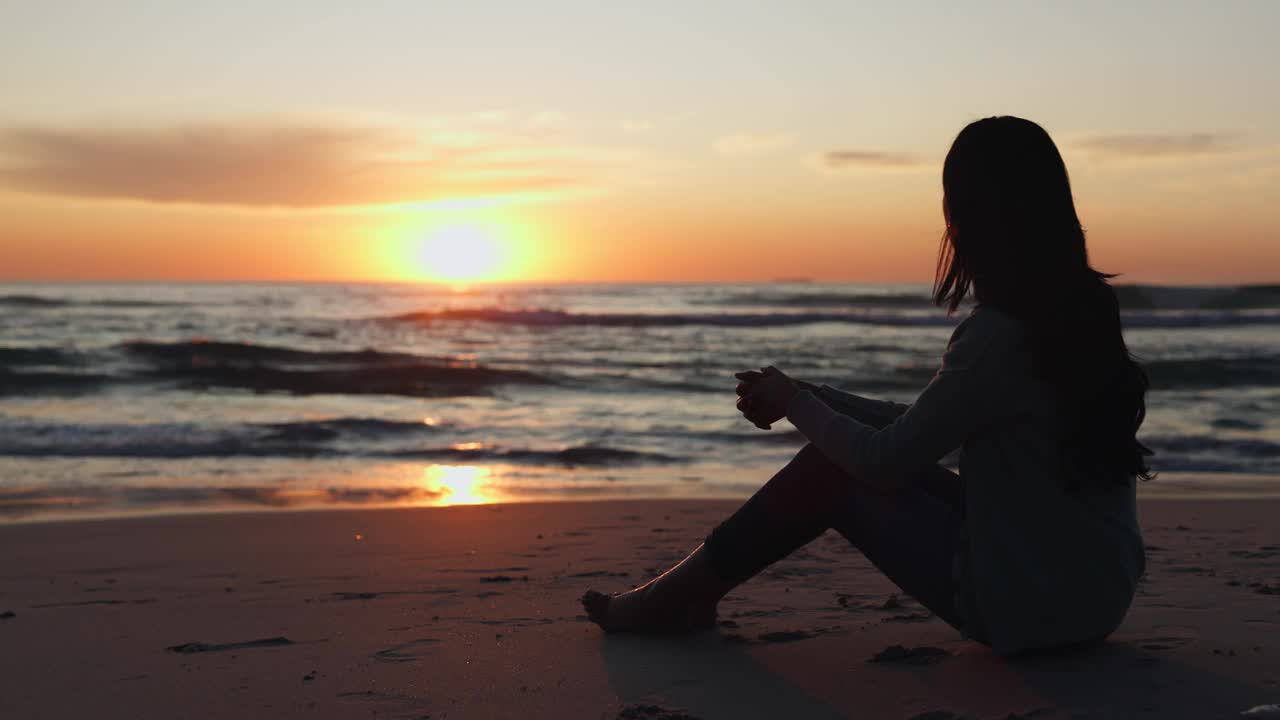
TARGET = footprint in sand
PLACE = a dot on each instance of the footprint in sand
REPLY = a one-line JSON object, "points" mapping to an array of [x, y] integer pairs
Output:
{"points": [[909, 618], [1172, 638], [894, 603], [793, 573], [599, 573], [1191, 570], [899, 655], [355, 595], [1163, 643], [411, 651], [788, 635], [771, 612], [201, 647], [653, 712], [1260, 554]]}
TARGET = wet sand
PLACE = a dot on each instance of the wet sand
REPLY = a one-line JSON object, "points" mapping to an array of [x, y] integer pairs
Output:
{"points": [[471, 612]]}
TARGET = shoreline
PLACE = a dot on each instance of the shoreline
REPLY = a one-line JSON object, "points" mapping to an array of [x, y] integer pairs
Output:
{"points": [[1181, 486], [471, 611]]}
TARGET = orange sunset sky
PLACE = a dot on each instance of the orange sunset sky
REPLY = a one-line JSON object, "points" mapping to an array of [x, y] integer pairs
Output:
{"points": [[552, 141]]}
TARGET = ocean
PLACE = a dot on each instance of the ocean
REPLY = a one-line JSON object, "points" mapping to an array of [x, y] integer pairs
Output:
{"points": [[120, 399]]}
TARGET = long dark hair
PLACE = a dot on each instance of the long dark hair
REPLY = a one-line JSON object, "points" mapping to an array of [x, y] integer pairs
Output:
{"points": [[1014, 241]]}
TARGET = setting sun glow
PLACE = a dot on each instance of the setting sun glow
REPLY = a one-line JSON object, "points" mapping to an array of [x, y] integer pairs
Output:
{"points": [[462, 252], [459, 484]]}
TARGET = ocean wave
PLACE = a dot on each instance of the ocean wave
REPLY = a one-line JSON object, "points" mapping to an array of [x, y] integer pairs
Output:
{"points": [[1198, 318], [591, 455], [1225, 446], [1200, 464], [152, 441], [882, 316], [369, 438], [1214, 372], [204, 353], [42, 301], [1164, 297], [30, 301], [420, 380], [38, 382], [28, 356], [1131, 297], [537, 317], [304, 431], [29, 501], [1214, 453], [302, 438], [771, 298], [200, 365]]}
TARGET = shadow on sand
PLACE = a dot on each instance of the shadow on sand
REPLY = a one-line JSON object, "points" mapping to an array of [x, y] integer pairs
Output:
{"points": [[704, 676], [710, 679]]}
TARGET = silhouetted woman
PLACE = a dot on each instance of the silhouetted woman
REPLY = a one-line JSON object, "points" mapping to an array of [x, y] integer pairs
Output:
{"points": [[1035, 543]]}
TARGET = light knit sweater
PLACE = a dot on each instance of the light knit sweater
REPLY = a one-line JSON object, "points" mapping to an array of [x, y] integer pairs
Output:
{"points": [[1050, 565]]}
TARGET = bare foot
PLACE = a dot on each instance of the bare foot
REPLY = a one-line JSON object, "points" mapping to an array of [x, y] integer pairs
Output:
{"points": [[681, 599], [643, 611]]}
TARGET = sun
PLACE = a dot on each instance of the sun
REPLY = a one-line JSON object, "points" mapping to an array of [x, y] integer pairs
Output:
{"points": [[459, 484], [461, 252]]}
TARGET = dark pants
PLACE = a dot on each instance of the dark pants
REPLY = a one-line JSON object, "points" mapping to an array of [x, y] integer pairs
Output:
{"points": [[911, 535]]}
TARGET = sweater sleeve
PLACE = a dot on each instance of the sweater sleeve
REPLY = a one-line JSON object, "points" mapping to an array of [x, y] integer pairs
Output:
{"points": [[960, 400], [876, 413]]}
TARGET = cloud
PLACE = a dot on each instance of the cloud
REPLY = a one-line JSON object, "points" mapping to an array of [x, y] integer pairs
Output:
{"points": [[637, 126], [752, 144], [839, 161], [292, 165], [549, 120], [1156, 145]]}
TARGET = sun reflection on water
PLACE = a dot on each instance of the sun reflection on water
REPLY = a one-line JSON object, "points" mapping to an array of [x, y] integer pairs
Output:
{"points": [[459, 484]]}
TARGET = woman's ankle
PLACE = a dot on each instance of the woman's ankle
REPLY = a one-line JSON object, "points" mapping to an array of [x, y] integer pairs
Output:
{"points": [[695, 581]]}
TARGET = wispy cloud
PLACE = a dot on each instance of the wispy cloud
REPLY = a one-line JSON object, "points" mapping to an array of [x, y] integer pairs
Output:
{"points": [[296, 165], [1151, 145], [637, 126], [752, 144], [549, 120], [837, 161]]}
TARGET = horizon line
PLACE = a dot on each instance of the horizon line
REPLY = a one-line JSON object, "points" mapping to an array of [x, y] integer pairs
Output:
{"points": [[520, 283]]}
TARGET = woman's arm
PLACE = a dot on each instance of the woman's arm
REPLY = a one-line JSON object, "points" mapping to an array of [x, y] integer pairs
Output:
{"points": [[876, 413], [962, 398]]}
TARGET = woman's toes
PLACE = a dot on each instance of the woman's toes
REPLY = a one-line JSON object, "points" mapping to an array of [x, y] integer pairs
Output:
{"points": [[636, 611], [596, 604]]}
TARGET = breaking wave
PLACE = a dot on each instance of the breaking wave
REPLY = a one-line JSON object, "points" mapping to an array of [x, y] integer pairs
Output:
{"points": [[1215, 372], [883, 316], [36, 302], [332, 438], [199, 365]]}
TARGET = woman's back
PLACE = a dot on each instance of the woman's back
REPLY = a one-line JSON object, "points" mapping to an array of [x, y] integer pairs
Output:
{"points": [[1055, 557]]}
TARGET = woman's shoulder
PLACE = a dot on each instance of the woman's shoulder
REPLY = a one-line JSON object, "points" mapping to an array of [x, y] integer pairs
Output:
{"points": [[983, 336], [989, 323]]}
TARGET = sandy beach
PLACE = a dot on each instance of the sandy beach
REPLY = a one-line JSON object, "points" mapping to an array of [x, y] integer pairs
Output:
{"points": [[471, 612]]}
